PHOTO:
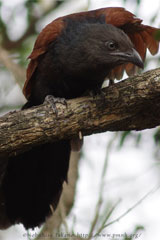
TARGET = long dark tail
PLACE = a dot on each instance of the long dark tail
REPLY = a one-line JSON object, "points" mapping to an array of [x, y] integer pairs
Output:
{"points": [[33, 182]]}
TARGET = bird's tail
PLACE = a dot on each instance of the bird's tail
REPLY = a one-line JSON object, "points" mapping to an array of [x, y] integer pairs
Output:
{"points": [[33, 182]]}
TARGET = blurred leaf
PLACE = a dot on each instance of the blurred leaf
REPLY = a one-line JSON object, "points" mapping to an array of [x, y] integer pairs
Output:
{"points": [[156, 137], [2, 24], [153, 18], [135, 234], [30, 3], [30, 9], [58, 3], [139, 227], [25, 49], [128, 238], [138, 2], [157, 35], [138, 139], [124, 135]]}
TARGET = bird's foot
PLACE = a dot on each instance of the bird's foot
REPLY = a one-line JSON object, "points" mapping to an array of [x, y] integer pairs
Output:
{"points": [[98, 95], [53, 100], [95, 92], [111, 82]]}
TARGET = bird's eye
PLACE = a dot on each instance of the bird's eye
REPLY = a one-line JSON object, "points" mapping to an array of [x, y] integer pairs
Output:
{"points": [[111, 45]]}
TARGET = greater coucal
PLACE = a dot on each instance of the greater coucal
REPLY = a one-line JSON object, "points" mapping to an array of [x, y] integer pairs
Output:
{"points": [[72, 55]]}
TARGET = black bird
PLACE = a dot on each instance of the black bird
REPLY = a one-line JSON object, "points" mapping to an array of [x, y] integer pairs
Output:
{"points": [[72, 55]]}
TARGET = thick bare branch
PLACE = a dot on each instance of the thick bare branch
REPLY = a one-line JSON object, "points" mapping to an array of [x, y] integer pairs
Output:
{"points": [[132, 104]]}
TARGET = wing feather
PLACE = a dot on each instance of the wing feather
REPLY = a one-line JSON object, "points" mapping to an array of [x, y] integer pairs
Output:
{"points": [[142, 36]]}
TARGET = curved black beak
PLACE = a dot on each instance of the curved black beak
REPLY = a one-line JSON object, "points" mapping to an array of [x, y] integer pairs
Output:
{"points": [[135, 58], [130, 56]]}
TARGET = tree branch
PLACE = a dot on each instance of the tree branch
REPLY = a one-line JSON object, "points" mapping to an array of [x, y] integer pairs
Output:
{"points": [[18, 72], [132, 104], [33, 19]]}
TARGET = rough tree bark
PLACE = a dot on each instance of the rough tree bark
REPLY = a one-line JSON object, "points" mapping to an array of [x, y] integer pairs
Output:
{"points": [[132, 104]]}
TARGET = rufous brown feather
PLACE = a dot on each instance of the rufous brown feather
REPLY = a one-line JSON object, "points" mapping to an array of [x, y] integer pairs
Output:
{"points": [[141, 35]]}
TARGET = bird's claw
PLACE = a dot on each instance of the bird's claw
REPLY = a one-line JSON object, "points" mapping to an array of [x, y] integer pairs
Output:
{"points": [[111, 82], [98, 93], [53, 100], [95, 92]]}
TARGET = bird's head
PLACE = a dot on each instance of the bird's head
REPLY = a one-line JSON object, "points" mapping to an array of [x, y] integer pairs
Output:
{"points": [[97, 45], [110, 46]]}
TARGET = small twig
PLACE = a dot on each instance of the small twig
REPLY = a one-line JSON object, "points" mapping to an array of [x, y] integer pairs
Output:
{"points": [[31, 30], [100, 199], [17, 71], [133, 207], [95, 219], [73, 224], [106, 218], [89, 3]]}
